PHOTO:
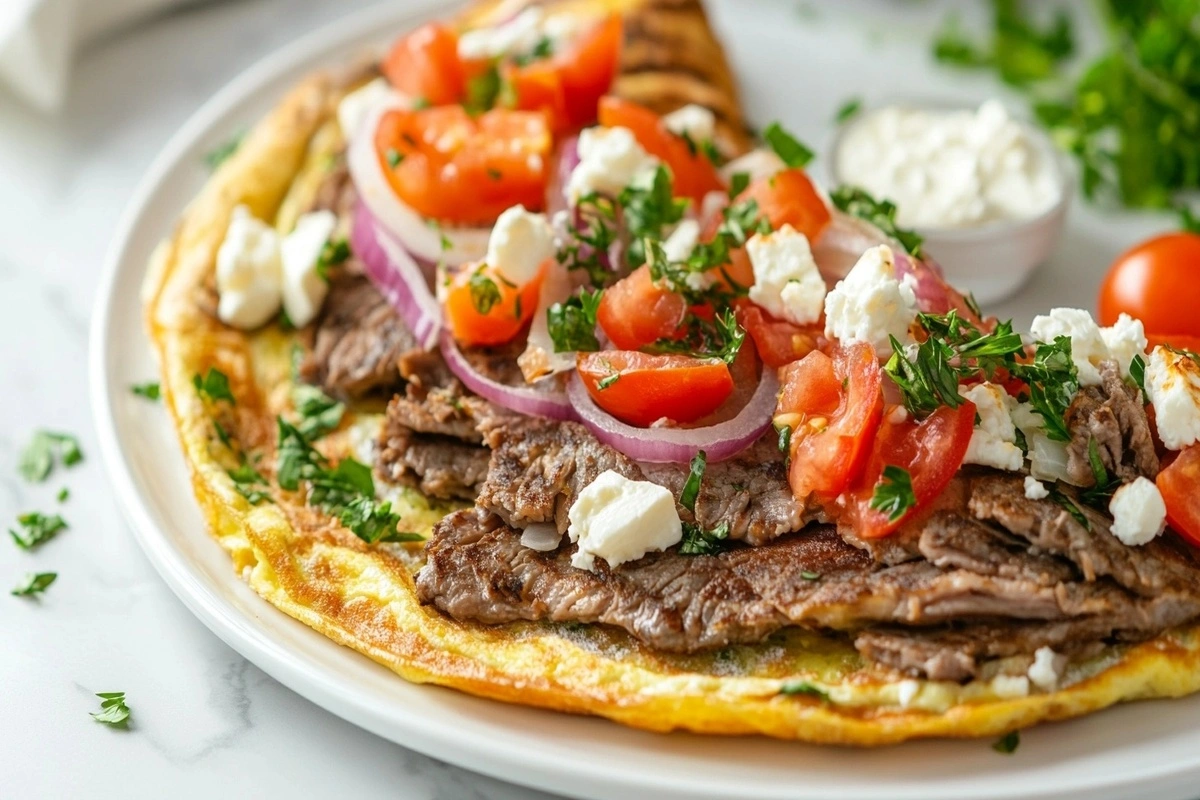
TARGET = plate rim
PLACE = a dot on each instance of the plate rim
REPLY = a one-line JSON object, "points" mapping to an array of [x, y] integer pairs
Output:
{"points": [[297, 672]]}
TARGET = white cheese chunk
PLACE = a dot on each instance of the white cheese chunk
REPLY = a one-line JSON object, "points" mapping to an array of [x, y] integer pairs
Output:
{"points": [[517, 36], [352, 111], [906, 692], [1047, 668], [1125, 339], [520, 244], [695, 122], [682, 241], [1139, 513], [994, 440], [248, 272], [609, 160], [870, 304], [787, 283], [1035, 489], [759, 163], [304, 289], [1173, 387], [1087, 343], [1010, 687], [621, 520]]}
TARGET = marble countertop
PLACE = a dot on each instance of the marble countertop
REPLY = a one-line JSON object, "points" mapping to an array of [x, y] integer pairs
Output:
{"points": [[205, 722]]}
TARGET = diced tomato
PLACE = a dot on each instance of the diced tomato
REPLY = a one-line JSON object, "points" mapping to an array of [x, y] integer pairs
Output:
{"points": [[833, 406], [538, 87], [694, 175], [425, 64], [588, 69], [639, 389], [777, 341], [1177, 483], [457, 168], [636, 311], [931, 451], [508, 308]]}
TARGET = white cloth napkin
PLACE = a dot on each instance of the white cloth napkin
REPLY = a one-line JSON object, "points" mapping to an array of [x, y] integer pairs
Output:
{"points": [[38, 39]]}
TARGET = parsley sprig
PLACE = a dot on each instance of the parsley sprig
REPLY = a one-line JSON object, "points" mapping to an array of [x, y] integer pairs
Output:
{"points": [[789, 149], [592, 234], [113, 710], [36, 528], [647, 211], [34, 583], [894, 494], [698, 540], [880, 213], [720, 338], [572, 324], [37, 460]]}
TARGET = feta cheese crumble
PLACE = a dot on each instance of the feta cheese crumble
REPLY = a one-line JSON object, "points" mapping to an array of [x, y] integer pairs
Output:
{"points": [[1047, 668], [609, 160], [1035, 489], [994, 440], [521, 242], [787, 282], [517, 36], [1173, 388], [1125, 339], [621, 520], [1087, 344], [695, 122], [906, 692], [304, 289], [248, 272], [1010, 687], [1139, 513], [870, 304]]}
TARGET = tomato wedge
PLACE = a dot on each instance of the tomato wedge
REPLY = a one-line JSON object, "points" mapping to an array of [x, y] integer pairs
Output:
{"points": [[483, 309], [1178, 483], [777, 341], [636, 312], [931, 451], [694, 175], [456, 168], [833, 406], [425, 64], [640, 389]]}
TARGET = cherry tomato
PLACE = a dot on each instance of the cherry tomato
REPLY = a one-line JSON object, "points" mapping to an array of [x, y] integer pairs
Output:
{"points": [[457, 168], [636, 311], [483, 309], [1177, 483], [931, 451], [833, 406], [777, 341], [694, 175], [640, 389], [1156, 283], [1179, 341], [425, 64], [588, 69], [538, 87]]}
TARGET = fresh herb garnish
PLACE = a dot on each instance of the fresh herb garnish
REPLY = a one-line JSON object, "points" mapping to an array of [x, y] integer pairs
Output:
{"points": [[647, 211], [247, 480], [691, 487], [894, 493], [113, 710], [221, 153], [607, 381], [484, 292], [1137, 371], [1101, 491], [544, 48], [334, 253], [37, 459], [589, 238], [34, 583], [700, 542], [1053, 380], [319, 413], [150, 390], [1069, 506], [483, 91], [848, 110], [213, 386], [572, 324], [880, 213], [63, 494], [719, 338], [372, 522], [789, 149], [1008, 743], [810, 576], [394, 157], [785, 438], [738, 183], [36, 528], [804, 688]]}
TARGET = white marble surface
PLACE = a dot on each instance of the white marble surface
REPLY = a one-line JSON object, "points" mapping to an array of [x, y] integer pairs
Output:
{"points": [[206, 723]]}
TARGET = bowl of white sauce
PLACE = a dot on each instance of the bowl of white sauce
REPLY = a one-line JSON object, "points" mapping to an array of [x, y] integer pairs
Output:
{"points": [[987, 192]]}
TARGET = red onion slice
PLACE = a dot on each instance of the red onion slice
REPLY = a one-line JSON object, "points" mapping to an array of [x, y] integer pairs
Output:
{"points": [[397, 277], [679, 445], [541, 401], [564, 164], [422, 240]]}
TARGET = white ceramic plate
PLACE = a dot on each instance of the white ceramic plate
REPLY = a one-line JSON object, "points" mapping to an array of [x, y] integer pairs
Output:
{"points": [[1150, 749]]}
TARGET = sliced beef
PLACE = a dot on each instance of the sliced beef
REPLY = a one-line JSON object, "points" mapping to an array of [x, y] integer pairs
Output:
{"points": [[539, 467], [358, 341], [952, 541], [1111, 415], [440, 466]]}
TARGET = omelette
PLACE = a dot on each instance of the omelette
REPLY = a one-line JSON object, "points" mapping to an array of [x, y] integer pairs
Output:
{"points": [[516, 361]]}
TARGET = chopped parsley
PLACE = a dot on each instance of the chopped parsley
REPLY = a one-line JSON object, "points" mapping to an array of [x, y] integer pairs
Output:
{"points": [[222, 152], [483, 91], [37, 459], [248, 480], [1137, 371], [789, 149], [333, 254], [848, 110], [691, 487], [700, 542], [319, 413], [150, 390], [607, 381], [394, 157], [880, 213], [36, 528], [484, 292], [647, 211], [785, 438], [720, 338], [1008, 743], [113, 710], [543, 49], [63, 494], [894, 493], [738, 183], [1053, 380], [590, 237], [213, 386], [810, 576], [1069, 506], [1100, 493], [572, 324], [808, 688], [34, 583]]}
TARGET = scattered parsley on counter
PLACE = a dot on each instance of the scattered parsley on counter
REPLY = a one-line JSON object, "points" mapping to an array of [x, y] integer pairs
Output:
{"points": [[1008, 743], [34, 583], [36, 528], [113, 710], [63, 494], [37, 460], [848, 110], [880, 213], [213, 386], [789, 149], [572, 324], [150, 391], [221, 153], [894, 493], [805, 688]]}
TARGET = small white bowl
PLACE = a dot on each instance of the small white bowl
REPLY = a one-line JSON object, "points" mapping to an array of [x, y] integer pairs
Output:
{"points": [[995, 259]]}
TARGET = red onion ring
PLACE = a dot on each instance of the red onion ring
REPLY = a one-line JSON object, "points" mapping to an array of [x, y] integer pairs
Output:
{"points": [[397, 277], [532, 401], [422, 240], [679, 445]]}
